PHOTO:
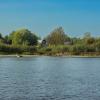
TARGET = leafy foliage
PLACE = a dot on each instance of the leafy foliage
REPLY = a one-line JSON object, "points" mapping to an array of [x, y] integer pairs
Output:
{"points": [[24, 37], [57, 37], [24, 41]]}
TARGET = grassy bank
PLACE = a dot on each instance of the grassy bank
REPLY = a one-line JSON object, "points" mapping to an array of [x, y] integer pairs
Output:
{"points": [[61, 50]]}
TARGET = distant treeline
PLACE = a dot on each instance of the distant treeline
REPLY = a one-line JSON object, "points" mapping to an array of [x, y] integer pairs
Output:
{"points": [[56, 43]]}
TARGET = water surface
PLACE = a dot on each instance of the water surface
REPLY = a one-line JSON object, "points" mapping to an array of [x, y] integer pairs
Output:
{"points": [[49, 78]]}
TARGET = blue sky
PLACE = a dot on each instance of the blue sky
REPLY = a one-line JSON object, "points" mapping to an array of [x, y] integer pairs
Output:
{"points": [[42, 16]]}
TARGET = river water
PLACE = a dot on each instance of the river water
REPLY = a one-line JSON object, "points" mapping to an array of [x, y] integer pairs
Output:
{"points": [[49, 78]]}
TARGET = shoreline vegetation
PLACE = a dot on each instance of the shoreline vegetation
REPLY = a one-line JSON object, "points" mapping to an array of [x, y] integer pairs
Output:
{"points": [[25, 43]]}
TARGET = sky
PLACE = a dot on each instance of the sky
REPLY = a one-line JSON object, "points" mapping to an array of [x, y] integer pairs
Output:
{"points": [[42, 16]]}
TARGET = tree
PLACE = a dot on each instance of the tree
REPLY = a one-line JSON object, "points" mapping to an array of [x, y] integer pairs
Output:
{"points": [[88, 38], [97, 44], [7, 40], [1, 39], [76, 41], [0, 36], [23, 37], [56, 37]]}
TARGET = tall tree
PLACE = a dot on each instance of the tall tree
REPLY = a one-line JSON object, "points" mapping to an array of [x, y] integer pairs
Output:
{"points": [[56, 37]]}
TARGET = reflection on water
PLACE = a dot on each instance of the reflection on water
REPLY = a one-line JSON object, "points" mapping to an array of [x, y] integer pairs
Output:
{"points": [[49, 78]]}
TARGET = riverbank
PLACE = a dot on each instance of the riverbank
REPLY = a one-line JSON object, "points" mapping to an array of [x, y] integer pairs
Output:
{"points": [[18, 55], [69, 56]]}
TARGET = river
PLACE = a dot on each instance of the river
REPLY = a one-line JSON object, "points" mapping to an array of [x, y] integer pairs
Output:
{"points": [[49, 78]]}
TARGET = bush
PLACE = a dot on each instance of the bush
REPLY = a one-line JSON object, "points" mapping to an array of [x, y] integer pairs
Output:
{"points": [[11, 49]]}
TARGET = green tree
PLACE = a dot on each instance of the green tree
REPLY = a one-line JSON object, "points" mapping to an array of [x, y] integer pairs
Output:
{"points": [[88, 39], [1, 39], [24, 37], [7, 40], [0, 36], [57, 37], [97, 44]]}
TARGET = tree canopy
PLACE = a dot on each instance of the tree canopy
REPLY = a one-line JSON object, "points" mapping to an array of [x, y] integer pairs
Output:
{"points": [[88, 39], [0, 35], [23, 37], [57, 37]]}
